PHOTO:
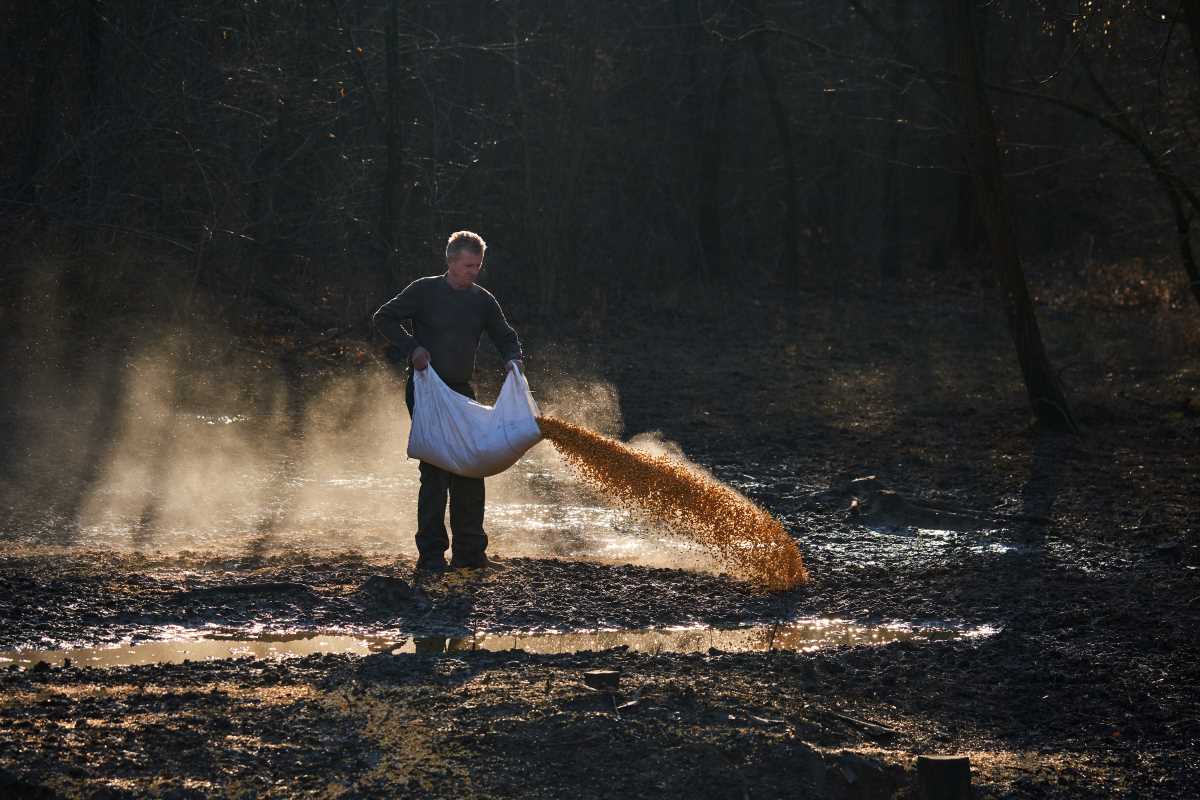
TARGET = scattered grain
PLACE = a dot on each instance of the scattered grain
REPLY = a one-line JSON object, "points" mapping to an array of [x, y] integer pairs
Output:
{"points": [[750, 541]]}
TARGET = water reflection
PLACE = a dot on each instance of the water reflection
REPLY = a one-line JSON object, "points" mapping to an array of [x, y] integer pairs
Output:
{"points": [[799, 636], [889, 546]]}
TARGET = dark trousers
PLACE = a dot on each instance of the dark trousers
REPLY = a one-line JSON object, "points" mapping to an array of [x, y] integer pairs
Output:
{"points": [[466, 507]]}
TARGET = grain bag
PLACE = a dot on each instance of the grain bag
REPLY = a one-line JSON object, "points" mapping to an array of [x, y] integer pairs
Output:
{"points": [[468, 438]]}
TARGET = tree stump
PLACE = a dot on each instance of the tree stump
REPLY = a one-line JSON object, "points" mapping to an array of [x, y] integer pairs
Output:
{"points": [[602, 680], [943, 778]]}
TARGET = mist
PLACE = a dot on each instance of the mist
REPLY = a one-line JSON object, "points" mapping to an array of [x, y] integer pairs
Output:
{"points": [[171, 439]]}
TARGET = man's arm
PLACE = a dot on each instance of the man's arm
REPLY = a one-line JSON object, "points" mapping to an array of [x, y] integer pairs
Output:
{"points": [[389, 319], [501, 333]]}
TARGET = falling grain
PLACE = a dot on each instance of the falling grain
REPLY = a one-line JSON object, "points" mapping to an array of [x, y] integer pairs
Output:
{"points": [[746, 538]]}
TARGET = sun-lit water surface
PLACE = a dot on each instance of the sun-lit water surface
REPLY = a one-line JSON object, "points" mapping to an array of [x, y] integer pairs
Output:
{"points": [[201, 645]]}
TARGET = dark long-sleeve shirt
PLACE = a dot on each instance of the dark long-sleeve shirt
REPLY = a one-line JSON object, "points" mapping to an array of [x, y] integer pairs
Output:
{"points": [[447, 322]]}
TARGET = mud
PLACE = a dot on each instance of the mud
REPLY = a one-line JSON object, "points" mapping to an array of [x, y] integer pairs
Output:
{"points": [[1081, 551]]}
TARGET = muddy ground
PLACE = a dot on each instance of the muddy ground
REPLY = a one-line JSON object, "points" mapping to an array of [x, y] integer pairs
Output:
{"points": [[1080, 550]]}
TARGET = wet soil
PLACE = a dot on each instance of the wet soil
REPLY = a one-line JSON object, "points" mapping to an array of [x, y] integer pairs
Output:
{"points": [[1081, 550]]}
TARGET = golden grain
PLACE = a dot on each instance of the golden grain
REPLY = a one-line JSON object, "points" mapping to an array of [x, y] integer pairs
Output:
{"points": [[751, 542]]}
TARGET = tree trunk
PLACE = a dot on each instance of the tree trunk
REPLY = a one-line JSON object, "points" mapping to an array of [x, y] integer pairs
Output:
{"points": [[266, 190], [704, 113], [90, 55], [39, 128], [1183, 226], [393, 187], [1191, 9], [708, 210], [791, 241], [983, 161], [889, 254], [575, 137], [523, 124], [1183, 222], [943, 778], [969, 234], [38, 25]]}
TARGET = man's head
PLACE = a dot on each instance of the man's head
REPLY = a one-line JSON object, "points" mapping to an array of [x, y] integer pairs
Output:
{"points": [[464, 258]]}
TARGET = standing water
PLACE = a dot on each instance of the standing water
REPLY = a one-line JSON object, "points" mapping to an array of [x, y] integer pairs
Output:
{"points": [[801, 636]]}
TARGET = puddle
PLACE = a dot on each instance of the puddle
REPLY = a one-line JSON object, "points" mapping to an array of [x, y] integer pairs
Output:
{"points": [[981, 541], [890, 546], [801, 636], [222, 419]]}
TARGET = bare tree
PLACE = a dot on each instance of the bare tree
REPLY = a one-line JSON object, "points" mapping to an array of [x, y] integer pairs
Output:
{"points": [[38, 25], [704, 114], [889, 256], [393, 180], [983, 160], [790, 265], [1191, 10]]}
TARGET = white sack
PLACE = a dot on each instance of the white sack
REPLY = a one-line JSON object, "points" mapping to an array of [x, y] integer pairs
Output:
{"points": [[468, 438]]}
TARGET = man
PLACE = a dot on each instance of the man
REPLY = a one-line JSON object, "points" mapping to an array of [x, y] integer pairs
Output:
{"points": [[449, 313]]}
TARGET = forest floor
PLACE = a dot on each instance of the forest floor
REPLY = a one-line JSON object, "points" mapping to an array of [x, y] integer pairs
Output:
{"points": [[888, 429]]}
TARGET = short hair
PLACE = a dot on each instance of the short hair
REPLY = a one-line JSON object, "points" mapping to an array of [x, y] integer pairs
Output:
{"points": [[464, 240]]}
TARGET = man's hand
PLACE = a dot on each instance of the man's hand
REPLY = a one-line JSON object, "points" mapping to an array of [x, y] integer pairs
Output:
{"points": [[419, 358], [516, 365]]}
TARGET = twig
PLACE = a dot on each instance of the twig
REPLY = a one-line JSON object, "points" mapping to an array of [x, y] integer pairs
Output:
{"points": [[573, 742], [869, 727]]}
